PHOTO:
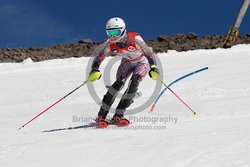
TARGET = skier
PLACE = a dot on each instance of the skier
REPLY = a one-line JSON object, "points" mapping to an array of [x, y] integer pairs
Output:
{"points": [[137, 59]]}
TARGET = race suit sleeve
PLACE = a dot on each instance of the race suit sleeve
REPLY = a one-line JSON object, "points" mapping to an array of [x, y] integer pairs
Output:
{"points": [[146, 50], [100, 54]]}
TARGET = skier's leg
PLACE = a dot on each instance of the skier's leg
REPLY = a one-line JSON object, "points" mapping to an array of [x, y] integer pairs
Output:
{"points": [[127, 98], [109, 98], [123, 72], [140, 71]]}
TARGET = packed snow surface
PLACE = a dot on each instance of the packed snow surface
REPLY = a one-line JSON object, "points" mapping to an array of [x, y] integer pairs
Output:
{"points": [[219, 135]]}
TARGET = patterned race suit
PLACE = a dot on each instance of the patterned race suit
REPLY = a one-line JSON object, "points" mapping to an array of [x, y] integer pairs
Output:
{"points": [[136, 61]]}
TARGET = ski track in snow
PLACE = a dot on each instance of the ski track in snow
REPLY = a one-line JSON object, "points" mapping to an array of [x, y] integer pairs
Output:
{"points": [[218, 136]]}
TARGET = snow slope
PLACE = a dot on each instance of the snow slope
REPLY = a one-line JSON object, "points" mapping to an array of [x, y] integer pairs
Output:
{"points": [[218, 136]]}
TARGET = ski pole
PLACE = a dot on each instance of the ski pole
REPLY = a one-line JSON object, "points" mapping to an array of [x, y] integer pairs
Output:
{"points": [[172, 83], [178, 98], [51, 105]]}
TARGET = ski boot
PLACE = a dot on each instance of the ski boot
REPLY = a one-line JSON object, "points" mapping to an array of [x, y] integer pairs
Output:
{"points": [[101, 122], [119, 120]]}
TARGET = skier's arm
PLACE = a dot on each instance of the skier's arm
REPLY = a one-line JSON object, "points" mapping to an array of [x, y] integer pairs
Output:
{"points": [[154, 72], [99, 55], [146, 50]]}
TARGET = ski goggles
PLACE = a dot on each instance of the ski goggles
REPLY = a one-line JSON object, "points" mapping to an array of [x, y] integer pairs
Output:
{"points": [[114, 32]]}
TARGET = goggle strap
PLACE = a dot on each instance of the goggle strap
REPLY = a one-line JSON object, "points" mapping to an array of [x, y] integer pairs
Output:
{"points": [[114, 28]]}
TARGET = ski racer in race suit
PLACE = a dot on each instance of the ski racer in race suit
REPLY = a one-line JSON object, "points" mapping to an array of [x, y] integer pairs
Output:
{"points": [[137, 60]]}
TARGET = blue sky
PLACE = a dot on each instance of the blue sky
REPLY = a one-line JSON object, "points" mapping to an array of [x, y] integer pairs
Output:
{"points": [[39, 23]]}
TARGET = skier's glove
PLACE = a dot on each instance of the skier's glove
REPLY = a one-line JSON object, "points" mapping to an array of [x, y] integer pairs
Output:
{"points": [[154, 72], [94, 75]]}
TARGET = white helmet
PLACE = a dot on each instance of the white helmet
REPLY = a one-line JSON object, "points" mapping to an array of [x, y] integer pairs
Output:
{"points": [[116, 29]]}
